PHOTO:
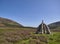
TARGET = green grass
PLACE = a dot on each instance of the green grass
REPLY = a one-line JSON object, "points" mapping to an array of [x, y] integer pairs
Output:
{"points": [[54, 38], [27, 36]]}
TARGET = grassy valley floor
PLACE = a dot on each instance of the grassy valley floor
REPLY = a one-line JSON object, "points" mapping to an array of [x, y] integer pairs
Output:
{"points": [[27, 36]]}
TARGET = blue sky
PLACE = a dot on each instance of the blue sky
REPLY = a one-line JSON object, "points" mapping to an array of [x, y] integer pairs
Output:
{"points": [[30, 12]]}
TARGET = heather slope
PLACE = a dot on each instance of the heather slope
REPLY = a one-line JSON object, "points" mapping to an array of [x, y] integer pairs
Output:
{"points": [[8, 23]]}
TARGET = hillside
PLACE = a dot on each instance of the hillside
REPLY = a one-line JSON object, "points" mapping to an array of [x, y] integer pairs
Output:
{"points": [[54, 25], [8, 23], [26, 35]]}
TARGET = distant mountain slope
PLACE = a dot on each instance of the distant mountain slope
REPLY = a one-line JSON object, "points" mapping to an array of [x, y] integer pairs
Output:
{"points": [[4, 22], [54, 25]]}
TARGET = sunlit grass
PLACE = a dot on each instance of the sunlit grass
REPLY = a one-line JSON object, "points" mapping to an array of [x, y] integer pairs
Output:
{"points": [[27, 36]]}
